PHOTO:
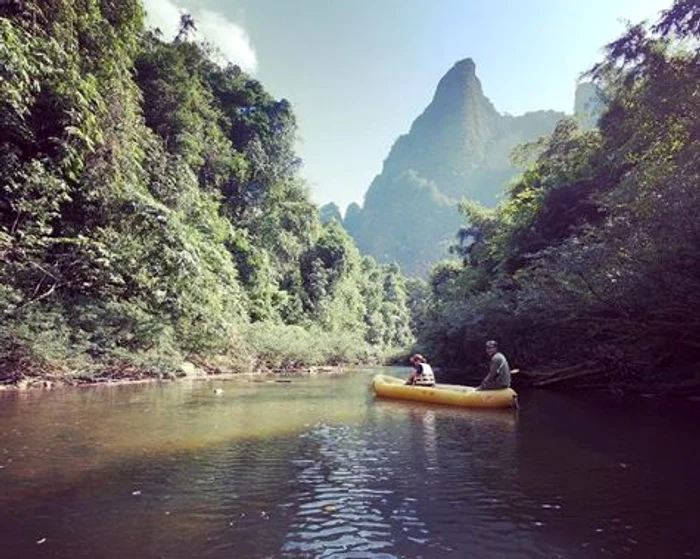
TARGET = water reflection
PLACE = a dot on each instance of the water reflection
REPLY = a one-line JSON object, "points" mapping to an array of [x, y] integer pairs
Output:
{"points": [[320, 468], [359, 494], [45, 440], [343, 505]]}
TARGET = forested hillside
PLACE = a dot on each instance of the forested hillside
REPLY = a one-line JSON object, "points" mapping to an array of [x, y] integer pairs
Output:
{"points": [[590, 269], [151, 210]]}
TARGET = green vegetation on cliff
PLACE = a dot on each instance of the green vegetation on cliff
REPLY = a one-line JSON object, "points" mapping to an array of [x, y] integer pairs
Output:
{"points": [[151, 209], [592, 264], [459, 147]]}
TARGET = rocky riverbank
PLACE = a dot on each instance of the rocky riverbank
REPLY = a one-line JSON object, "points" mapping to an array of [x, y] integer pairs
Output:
{"points": [[54, 377]]}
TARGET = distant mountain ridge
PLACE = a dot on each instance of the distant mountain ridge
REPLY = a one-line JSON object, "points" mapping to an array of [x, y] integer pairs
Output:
{"points": [[459, 147]]}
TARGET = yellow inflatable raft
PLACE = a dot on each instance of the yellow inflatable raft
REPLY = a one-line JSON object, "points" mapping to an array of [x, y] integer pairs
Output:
{"points": [[447, 394]]}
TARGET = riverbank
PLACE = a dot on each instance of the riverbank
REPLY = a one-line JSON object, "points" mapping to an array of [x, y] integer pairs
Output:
{"points": [[45, 376], [278, 352], [53, 377], [585, 377], [261, 349]]}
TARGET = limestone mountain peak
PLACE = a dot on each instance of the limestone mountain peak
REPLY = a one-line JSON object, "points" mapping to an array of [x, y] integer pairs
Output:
{"points": [[459, 85], [459, 147]]}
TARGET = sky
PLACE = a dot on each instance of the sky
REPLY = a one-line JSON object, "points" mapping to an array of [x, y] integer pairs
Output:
{"points": [[358, 72]]}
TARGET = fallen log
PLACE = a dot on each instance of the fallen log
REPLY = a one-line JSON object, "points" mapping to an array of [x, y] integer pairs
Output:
{"points": [[687, 388], [563, 370], [541, 375], [559, 378]]}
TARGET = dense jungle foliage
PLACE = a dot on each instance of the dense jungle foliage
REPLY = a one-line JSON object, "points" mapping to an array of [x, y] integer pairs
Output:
{"points": [[151, 210], [591, 266]]}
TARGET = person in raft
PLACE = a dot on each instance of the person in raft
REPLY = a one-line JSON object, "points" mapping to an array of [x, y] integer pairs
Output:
{"points": [[499, 370], [422, 372]]}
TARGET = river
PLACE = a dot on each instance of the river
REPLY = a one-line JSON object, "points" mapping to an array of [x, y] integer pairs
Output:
{"points": [[320, 468]]}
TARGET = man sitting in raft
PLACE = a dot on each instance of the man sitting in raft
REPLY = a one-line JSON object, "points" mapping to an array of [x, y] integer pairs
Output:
{"points": [[422, 372], [499, 371]]}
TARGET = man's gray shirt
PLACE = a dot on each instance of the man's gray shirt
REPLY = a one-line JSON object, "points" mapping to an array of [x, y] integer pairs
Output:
{"points": [[499, 373]]}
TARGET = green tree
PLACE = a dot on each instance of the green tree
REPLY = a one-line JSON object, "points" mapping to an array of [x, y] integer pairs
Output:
{"points": [[586, 262]]}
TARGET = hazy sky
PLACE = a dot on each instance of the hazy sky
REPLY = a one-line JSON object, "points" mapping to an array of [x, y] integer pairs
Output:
{"points": [[359, 71]]}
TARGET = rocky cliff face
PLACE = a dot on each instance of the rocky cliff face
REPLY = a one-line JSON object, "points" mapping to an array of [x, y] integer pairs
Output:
{"points": [[458, 148]]}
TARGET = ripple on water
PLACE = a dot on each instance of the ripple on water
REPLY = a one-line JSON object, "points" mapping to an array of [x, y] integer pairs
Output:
{"points": [[348, 509], [260, 473]]}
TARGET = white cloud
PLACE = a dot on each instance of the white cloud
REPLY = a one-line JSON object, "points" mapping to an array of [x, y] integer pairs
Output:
{"points": [[229, 37], [164, 15]]}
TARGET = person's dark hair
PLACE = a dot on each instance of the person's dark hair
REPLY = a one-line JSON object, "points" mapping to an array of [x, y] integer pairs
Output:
{"points": [[417, 358], [492, 343]]}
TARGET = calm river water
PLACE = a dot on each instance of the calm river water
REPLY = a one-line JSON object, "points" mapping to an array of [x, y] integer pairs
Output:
{"points": [[320, 468]]}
